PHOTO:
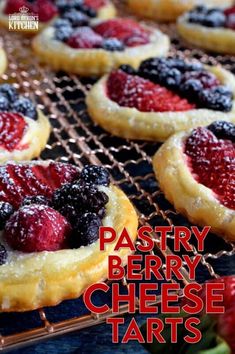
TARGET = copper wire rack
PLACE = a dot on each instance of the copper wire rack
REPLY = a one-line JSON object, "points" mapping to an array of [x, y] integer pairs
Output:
{"points": [[76, 139]]}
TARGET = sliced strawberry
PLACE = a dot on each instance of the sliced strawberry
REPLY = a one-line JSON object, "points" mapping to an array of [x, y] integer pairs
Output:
{"points": [[212, 162], [12, 128], [126, 30], [37, 228], [20, 180], [85, 37], [136, 92], [95, 4]]}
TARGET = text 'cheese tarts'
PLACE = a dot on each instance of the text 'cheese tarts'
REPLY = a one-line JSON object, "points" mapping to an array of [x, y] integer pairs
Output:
{"points": [[46, 11], [24, 129], [164, 96], [50, 215], [169, 10], [211, 29], [97, 47], [196, 172]]}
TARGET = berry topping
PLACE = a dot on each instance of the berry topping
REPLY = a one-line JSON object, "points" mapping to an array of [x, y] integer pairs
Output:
{"points": [[37, 228], [13, 6], [18, 181], [136, 92], [128, 69], [84, 37], [223, 130], [126, 30], [26, 107], [76, 18], [207, 17], [113, 44], [3, 254], [9, 92], [12, 130], [79, 5], [95, 4], [6, 210], [45, 9], [4, 104], [86, 230], [36, 199], [230, 15], [95, 175], [212, 99], [212, 162], [63, 33]]}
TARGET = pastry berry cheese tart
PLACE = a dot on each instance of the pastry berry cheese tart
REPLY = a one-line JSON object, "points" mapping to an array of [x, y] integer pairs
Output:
{"points": [[24, 130], [3, 60], [48, 10], [169, 10], [211, 29], [97, 47], [50, 214], [164, 96], [196, 171]]}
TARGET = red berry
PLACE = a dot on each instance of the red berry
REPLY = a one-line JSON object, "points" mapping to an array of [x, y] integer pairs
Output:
{"points": [[230, 23], [12, 128], [212, 162], [95, 4], [230, 11], [37, 228], [126, 30], [45, 9], [13, 6], [136, 92], [84, 37]]}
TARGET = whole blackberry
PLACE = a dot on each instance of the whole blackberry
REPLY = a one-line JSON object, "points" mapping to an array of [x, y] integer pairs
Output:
{"points": [[113, 44], [128, 69], [88, 11], [213, 100], [223, 90], [214, 18], [6, 210], [223, 130], [26, 107], [60, 196], [76, 18], [97, 175], [37, 199], [86, 230], [63, 33], [171, 79], [65, 5], [191, 89], [4, 104], [61, 22], [9, 91], [3, 254]]}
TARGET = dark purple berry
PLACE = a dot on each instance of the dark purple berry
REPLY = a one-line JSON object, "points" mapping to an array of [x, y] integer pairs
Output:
{"points": [[97, 175], [207, 17], [26, 107], [128, 69], [63, 33], [4, 104], [223, 130], [6, 210], [191, 89], [3, 254], [76, 18], [213, 100], [223, 90], [61, 22], [86, 230], [113, 44], [9, 91], [37, 199], [88, 11]]}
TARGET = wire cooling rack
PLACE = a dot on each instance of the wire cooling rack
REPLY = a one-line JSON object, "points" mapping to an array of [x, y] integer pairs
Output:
{"points": [[75, 139]]}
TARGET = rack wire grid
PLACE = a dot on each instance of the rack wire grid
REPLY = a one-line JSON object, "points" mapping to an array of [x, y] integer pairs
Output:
{"points": [[76, 139]]}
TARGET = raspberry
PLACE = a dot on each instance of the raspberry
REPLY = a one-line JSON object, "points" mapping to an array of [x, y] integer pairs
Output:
{"points": [[45, 9], [37, 199], [12, 130], [126, 30], [113, 44], [26, 107], [212, 162], [223, 130], [95, 4], [13, 6], [9, 91], [6, 210], [86, 230], [3, 254], [136, 92], [37, 228], [84, 37], [230, 22], [95, 175]]}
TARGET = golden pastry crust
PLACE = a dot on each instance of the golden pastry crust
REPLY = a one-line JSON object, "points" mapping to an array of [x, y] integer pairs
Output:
{"points": [[169, 10], [34, 280], [35, 138], [220, 40], [130, 123], [97, 62], [105, 12], [189, 197], [3, 61]]}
